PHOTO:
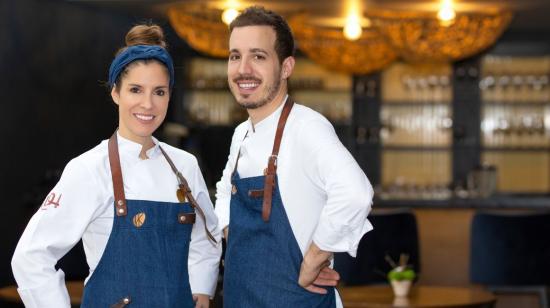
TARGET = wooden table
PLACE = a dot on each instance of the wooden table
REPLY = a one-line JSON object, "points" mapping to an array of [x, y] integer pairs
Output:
{"points": [[420, 296], [75, 289]]}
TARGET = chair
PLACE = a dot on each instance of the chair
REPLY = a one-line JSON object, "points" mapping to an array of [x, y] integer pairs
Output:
{"points": [[510, 253], [395, 232]]}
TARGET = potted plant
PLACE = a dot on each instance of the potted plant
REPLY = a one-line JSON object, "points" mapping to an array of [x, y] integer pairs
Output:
{"points": [[401, 275]]}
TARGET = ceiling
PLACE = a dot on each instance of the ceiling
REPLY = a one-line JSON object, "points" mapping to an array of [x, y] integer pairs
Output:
{"points": [[530, 15]]}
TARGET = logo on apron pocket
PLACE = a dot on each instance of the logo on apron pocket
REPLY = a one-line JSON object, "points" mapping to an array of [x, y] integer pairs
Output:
{"points": [[139, 219]]}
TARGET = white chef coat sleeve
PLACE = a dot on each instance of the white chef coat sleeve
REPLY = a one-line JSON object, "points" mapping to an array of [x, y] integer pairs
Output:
{"points": [[223, 187], [343, 220], [53, 230], [204, 255]]}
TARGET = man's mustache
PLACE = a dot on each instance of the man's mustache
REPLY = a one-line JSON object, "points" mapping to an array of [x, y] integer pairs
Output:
{"points": [[246, 78]]}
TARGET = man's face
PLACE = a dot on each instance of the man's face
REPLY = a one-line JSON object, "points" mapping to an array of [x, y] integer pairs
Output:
{"points": [[253, 69]]}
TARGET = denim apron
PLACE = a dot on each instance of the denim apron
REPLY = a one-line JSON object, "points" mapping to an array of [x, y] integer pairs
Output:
{"points": [[263, 258], [145, 260]]}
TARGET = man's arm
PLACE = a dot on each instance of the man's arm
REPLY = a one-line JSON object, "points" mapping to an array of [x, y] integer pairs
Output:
{"points": [[343, 219]]}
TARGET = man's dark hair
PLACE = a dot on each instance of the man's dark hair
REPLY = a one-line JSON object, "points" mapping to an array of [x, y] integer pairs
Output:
{"points": [[258, 16]]}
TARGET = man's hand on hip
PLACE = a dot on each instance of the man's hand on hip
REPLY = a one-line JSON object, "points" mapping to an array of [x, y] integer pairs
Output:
{"points": [[315, 272]]}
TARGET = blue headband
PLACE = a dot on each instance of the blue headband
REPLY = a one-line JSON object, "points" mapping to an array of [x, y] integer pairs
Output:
{"points": [[140, 52]]}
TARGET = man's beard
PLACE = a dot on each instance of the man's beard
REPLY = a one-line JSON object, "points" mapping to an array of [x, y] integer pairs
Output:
{"points": [[270, 91]]}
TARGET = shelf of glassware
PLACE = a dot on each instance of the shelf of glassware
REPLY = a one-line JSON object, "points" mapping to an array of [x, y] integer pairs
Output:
{"points": [[208, 101], [416, 131], [416, 106], [515, 125]]}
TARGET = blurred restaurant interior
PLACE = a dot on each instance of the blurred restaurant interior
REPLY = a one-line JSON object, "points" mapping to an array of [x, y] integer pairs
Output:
{"points": [[445, 104]]}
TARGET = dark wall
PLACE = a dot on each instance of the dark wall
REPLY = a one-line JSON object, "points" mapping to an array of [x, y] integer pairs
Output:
{"points": [[54, 57]]}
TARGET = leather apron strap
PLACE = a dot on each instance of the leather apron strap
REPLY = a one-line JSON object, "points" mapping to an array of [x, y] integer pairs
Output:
{"points": [[271, 170], [184, 186], [118, 184], [116, 173]]}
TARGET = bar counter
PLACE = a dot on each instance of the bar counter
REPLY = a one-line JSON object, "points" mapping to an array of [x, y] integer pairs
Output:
{"points": [[498, 201]]}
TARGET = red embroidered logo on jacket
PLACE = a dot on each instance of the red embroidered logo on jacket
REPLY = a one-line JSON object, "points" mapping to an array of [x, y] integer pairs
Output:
{"points": [[51, 200]]}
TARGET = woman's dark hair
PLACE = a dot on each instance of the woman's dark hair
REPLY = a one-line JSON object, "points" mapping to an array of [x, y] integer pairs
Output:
{"points": [[258, 16], [144, 34]]}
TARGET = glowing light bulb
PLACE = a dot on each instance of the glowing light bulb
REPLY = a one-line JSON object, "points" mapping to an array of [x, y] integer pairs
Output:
{"points": [[352, 28], [446, 13], [228, 15]]}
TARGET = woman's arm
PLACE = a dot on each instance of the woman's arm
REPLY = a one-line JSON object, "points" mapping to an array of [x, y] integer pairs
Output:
{"points": [[53, 230], [204, 255]]}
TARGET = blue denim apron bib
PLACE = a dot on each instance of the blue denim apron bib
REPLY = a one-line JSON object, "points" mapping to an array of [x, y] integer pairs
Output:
{"points": [[263, 258], [145, 260]]}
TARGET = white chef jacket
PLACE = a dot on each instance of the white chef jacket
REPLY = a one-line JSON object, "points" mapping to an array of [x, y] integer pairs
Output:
{"points": [[326, 195], [81, 206]]}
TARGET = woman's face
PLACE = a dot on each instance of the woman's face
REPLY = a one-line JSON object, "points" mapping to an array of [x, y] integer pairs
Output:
{"points": [[142, 100]]}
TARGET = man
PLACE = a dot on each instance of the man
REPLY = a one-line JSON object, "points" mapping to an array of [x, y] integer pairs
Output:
{"points": [[290, 194]]}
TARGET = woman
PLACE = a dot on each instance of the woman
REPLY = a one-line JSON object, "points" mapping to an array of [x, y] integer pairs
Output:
{"points": [[140, 206]]}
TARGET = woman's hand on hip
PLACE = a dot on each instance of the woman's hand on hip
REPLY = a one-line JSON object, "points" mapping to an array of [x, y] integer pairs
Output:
{"points": [[201, 300]]}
